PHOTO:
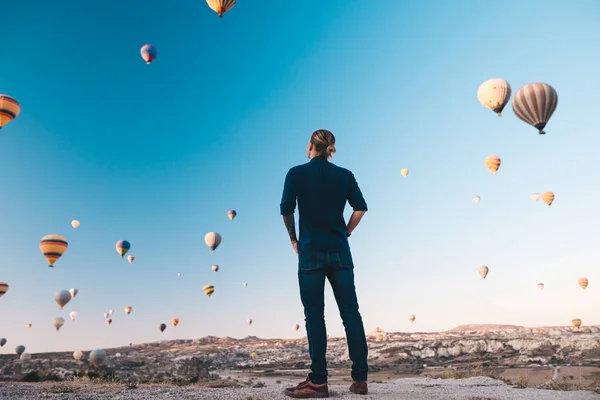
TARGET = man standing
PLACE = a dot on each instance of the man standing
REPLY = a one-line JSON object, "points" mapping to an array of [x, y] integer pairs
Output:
{"points": [[322, 189]]}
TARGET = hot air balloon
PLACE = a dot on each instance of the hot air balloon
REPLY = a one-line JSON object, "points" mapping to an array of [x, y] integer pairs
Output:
{"points": [[73, 292], [3, 288], [77, 355], [540, 286], [231, 214], [249, 321], [494, 94], [296, 327], [483, 271], [73, 315], [245, 284], [52, 247], [162, 327], [75, 224], [221, 6], [535, 196], [175, 321], [179, 274], [25, 357], [58, 323], [215, 268], [576, 322], [548, 198], [62, 297], [148, 53], [404, 172], [412, 318], [111, 312], [208, 290], [20, 349], [583, 282], [253, 355], [105, 315], [97, 357], [9, 109], [109, 321], [492, 163], [130, 343], [534, 104], [29, 326], [477, 199], [123, 247], [2, 342], [212, 240], [128, 310], [131, 259]]}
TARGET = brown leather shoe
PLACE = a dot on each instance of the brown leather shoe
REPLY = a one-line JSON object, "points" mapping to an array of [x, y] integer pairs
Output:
{"points": [[359, 387], [308, 390]]}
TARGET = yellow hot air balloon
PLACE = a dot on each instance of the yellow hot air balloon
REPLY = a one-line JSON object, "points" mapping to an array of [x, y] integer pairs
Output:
{"points": [[253, 355], [208, 290], [494, 94], [535, 196], [483, 271], [77, 355], [9, 109], [128, 310], [3, 288], [493, 163], [534, 104], [221, 6], [52, 247], [175, 321], [412, 318], [477, 199], [75, 224], [548, 198], [583, 282], [404, 172], [212, 240], [576, 322], [540, 286]]}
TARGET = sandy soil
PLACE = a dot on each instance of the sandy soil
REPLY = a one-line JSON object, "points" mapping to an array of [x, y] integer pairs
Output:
{"points": [[477, 388]]}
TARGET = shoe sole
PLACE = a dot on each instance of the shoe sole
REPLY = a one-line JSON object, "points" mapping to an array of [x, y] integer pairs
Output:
{"points": [[315, 395], [360, 391]]}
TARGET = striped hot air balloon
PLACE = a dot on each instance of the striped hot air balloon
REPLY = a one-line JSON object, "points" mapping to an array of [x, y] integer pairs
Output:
{"points": [[9, 109], [52, 247], [583, 282], [3, 288], [148, 53], [123, 247], [534, 104], [175, 321], [493, 163], [221, 6], [576, 322], [548, 198], [494, 94], [208, 290]]}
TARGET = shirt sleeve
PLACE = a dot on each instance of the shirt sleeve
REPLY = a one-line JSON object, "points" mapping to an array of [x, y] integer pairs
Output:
{"points": [[355, 197], [288, 199]]}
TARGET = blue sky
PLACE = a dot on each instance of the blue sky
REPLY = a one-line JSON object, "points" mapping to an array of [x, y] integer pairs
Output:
{"points": [[156, 154]]}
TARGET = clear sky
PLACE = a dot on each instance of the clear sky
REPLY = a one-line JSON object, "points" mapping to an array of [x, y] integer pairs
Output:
{"points": [[156, 154]]}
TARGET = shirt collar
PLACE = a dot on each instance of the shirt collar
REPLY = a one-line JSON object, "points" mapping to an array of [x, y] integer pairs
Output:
{"points": [[318, 158]]}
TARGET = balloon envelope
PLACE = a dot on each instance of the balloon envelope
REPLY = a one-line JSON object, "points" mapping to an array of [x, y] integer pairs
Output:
{"points": [[412, 318], [494, 94], [123, 247], [162, 327], [534, 104], [73, 292], [62, 297], [220, 6], [175, 321], [131, 259], [58, 322], [20, 349], [9, 109], [483, 271], [477, 199], [535, 196], [548, 198], [148, 53], [75, 224], [212, 240], [231, 214], [2, 342], [97, 357], [583, 282], [77, 355], [3, 288], [73, 315], [404, 172], [208, 290], [215, 268], [493, 163], [53, 247]]}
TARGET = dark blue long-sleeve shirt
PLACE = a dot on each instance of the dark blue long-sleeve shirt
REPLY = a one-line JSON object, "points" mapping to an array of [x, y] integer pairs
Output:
{"points": [[321, 189]]}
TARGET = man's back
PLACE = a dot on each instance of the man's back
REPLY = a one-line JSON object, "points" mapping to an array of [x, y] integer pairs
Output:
{"points": [[322, 190]]}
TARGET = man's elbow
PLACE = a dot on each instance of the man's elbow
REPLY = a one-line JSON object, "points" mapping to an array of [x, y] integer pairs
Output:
{"points": [[360, 211], [287, 209]]}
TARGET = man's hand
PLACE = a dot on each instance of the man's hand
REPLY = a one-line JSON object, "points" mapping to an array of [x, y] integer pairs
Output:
{"points": [[295, 246]]}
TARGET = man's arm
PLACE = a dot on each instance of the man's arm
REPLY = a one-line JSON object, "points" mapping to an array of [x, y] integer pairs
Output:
{"points": [[288, 206], [358, 204]]}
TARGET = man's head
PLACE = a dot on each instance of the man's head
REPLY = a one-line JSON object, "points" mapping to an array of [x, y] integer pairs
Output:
{"points": [[322, 143]]}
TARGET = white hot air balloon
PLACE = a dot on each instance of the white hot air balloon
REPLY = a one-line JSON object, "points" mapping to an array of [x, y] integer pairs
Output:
{"points": [[73, 315], [477, 199], [73, 292], [494, 94], [535, 196], [58, 323], [77, 355], [75, 224]]}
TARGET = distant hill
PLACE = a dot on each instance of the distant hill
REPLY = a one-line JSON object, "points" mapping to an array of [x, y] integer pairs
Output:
{"points": [[485, 327]]}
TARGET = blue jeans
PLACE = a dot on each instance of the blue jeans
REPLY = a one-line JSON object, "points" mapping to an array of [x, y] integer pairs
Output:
{"points": [[313, 268]]}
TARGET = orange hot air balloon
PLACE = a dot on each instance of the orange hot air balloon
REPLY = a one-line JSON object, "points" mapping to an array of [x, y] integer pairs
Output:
{"points": [[583, 282], [493, 163], [9, 109], [52, 247], [548, 198], [221, 6], [128, 310], [175, 321]]}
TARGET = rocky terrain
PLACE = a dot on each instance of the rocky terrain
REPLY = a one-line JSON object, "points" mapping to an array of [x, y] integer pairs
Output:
{"points": [[487, 346]]}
